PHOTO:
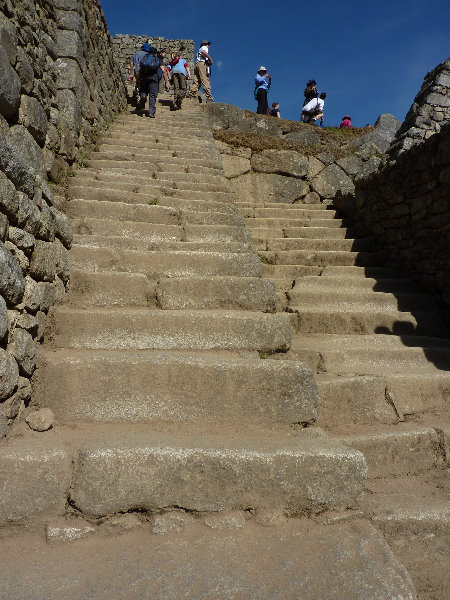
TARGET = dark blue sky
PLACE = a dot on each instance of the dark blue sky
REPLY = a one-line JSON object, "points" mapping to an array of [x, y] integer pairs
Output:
{"points": [[370, 57]]}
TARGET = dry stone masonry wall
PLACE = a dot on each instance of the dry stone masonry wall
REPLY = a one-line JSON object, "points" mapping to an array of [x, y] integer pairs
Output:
{"points": [[125, 46], [429, 111], [59, 84]]}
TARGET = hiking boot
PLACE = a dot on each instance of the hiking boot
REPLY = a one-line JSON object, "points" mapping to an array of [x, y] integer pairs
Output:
{"points": [[141, 104]]}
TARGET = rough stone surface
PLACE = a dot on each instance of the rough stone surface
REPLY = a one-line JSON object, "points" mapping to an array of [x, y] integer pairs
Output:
{"points": [[332, 180], [283, 162], [23, 348], [40, 420], [12, 284], [32, 116], [9, 86], [9, 372]]}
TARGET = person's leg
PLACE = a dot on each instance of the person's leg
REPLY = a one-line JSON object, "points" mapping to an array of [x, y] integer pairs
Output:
{"points": [[197, 81], [205, 80], [176, 88], [153, 87], [182, 89], [261, 96], [143, 89]]}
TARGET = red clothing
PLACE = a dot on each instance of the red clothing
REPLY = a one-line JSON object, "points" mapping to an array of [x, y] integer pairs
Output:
{"points": [[346, 122]]}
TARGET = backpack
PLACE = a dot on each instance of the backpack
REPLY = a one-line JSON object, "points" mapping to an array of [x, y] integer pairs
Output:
{"points": [[149, 64]]}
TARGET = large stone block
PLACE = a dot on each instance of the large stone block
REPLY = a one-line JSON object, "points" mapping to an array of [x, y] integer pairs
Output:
{"points": [[28, 214], [35, 475], [32, 116], [69, 45], [9, 200], [3, 318], [9, 86], [282, 162], [8, 38], [12, 284], [332, 180], [235, 165], [9, 374], [25, 71], [69, 109], [43, 261], [23, 348]]}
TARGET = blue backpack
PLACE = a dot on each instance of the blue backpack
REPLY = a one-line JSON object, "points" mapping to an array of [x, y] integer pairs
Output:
{"points": [[150, 64]]}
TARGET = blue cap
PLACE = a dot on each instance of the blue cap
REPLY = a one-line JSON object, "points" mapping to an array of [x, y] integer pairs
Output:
{"points": [[146, 47]]}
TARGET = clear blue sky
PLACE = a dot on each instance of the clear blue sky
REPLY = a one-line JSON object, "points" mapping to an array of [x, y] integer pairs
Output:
{"points": [[370, 57]]}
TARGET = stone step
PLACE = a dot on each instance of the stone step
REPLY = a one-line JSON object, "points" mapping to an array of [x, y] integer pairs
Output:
{"points": [[237, 293], [156, 232], [136, 155], [166, 264], [348, 271], [359, 299], [151, 145], [154, 386], [341, 283], [127, 467], [327, 244], [136, 135], [174, 165], [180, 566], [403, 449], [315, 232], [110, 289], [135, 328], [372, 354], [286, 213], [316, 320], [276, 205], [157, 196], [321, 258], [88, 180], [257, 223], [184, 177], [123, 211], [289, 271]]}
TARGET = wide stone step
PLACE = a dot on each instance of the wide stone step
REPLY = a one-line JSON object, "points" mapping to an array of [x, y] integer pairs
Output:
{"points": [[289, 271], [276, 205], [286, 213], [400, 450], [175, 165], [142, 177], [258, 223], [318, 244], [122, 211], [372, 354], [359, 299], [126, 468], [136, 154], [321, 258], [315, 232], [180, 566], [149, 186], [165, 264], [160, 330], [154, 386], [316, 320], [341, 283], [360, 272], [110, 289], [240, 293]]}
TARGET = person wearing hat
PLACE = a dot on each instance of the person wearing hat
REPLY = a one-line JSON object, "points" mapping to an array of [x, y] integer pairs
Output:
{"points": [[263, 82], [346, 122], [148, 78], [134, 69], [202, 62]]}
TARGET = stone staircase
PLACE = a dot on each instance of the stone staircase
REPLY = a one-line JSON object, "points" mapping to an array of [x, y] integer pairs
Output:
{"points": [[381, 353], [182, 396]]}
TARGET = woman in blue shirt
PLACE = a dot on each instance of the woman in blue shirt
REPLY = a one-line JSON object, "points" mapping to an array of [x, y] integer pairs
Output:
{"points": [[262, 85]]}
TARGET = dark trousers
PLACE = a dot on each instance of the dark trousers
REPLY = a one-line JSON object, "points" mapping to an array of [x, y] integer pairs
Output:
{"points": [[179, 87], [149, 87], [261, 96]]}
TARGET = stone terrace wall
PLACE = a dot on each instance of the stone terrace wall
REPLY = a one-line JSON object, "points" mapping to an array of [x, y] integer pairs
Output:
{"points": [[429, 111], [59, 83], [126, 45], [405, 207]]}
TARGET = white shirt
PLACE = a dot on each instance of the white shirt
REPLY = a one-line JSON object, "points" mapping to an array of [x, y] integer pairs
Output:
{"points": [[200, 57], [313, 104]]}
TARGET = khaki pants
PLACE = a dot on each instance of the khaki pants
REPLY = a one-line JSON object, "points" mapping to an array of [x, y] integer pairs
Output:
{"points": [[201, 78]]}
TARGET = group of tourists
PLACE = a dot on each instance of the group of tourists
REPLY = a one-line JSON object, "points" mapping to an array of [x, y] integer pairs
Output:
{"points": [[147, 68]]}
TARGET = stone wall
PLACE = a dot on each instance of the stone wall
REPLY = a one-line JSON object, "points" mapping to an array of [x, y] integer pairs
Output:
{"points": [[405, 207], [428, 113], [126, 45], [306, 165], [59, 84]]}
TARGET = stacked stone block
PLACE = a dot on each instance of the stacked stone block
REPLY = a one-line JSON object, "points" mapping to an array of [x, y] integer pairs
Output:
{"points": [[429, 111], [59, 84]]}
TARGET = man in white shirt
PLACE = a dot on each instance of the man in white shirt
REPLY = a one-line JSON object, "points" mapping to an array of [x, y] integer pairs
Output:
{"points": [[202, 62], [313, 110]]}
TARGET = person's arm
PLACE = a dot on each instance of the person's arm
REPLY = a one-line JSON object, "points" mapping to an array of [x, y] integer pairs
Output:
{"points": [[270, 80], [188, 71], [130, 78], [138, 76], [317, 117], [206, 55]]}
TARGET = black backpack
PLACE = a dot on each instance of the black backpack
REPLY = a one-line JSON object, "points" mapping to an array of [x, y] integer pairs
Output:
{"points": [[150, 64]]}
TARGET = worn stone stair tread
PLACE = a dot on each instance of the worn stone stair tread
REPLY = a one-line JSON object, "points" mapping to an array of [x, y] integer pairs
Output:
{"points": [[258, 223], [284, 243], [376, 272], [288, 213], [174, 386], [342, 283], [321, 257], [178, 565], [174, 166], [290, 271], [99, 182], [332, 233], [360, 299], [117, 327], [316, 320], [122, 468], [156, 264], [123, 211], [406, 448], [141, 177], [150, 194]]}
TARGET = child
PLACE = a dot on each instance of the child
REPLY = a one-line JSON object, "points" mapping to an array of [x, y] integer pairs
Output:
{"points": [[275, 112]]}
